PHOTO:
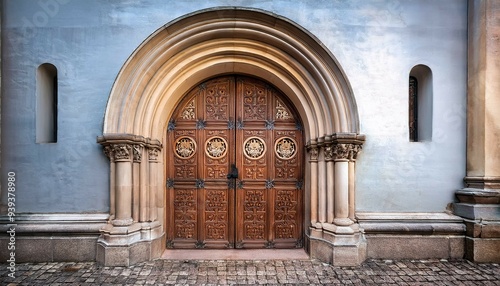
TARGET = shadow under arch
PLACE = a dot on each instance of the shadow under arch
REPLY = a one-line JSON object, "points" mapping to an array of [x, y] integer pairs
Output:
{"points": [[202, 45]]}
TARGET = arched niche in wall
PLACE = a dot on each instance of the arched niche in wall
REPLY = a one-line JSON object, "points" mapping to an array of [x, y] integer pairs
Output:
{"points": [[46, 103], [420, 103]]}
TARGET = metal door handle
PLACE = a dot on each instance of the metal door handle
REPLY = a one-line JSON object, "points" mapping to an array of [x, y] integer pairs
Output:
{"points": [[234, 172]]}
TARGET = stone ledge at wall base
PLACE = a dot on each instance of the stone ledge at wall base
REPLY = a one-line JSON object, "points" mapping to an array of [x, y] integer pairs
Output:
{"points": [[52, 237], [480, 209], [413, 235]]}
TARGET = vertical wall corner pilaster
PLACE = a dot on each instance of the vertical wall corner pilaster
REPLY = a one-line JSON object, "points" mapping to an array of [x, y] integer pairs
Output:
{"points": [[479, 201]]}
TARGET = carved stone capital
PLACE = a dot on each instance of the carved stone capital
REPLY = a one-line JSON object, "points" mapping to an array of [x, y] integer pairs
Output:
{"points": [[344, 152], [329, 152], [137, 152], [121, 152], [153, 154], [314, 152], [108, 151], [354, 151], [128, 147], [341, 151]]}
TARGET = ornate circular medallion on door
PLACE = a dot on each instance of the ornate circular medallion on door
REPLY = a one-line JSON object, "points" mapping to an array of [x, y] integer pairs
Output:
{"points": [[235, 168]]}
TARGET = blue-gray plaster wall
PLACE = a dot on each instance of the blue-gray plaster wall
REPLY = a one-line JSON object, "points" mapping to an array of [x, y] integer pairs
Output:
{"points": [[376, 43]]}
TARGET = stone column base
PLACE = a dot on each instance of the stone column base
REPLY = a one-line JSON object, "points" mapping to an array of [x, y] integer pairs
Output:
{"points": [[337, 249], [482, 243], [481, 212], [126, 246]]}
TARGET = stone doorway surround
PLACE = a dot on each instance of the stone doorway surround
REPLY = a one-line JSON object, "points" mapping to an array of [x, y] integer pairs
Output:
{"points": [[206, 44]]}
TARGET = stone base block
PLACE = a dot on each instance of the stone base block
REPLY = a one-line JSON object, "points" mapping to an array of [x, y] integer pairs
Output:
{"points": [[396, 246], [482, 250], [127, 255], [338, 250]]}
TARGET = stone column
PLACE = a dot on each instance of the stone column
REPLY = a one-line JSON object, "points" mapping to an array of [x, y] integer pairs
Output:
{"points": [[123, 184], [137, 153], [342, 185], [353, 154], [108, 151], [479, 201], [321, 182], [144, 189], [313, 160], [153, 179], [330, 181]]}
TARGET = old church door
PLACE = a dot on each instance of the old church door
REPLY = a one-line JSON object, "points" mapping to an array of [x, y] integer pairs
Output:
{"points": [[235, 168]]}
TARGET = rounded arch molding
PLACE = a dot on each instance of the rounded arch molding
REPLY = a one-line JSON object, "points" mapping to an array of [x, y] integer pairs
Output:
{"points": [[203, 45], [230, 40]]}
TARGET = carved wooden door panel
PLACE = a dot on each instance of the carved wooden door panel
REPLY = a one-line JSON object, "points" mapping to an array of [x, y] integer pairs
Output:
{"points": [[235, 168]]}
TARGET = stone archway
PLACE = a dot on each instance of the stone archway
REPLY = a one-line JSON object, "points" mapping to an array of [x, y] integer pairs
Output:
{"points": [[206, 44]]}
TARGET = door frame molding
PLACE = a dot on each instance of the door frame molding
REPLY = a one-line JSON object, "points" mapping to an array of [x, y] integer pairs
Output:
{"points": [[210, 43]]}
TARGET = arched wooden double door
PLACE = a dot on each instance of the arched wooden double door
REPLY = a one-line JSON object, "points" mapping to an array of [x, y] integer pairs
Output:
{"points": [[235, 168]]}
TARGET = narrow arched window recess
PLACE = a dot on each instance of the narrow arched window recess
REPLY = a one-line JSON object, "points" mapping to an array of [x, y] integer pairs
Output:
{"points": [[46, 103], [420, 104]]}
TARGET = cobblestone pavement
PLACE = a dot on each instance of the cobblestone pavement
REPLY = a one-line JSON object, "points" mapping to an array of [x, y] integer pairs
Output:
{"points": [[249, 272]]}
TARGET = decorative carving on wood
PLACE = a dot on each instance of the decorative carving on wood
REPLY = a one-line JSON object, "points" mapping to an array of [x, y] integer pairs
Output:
{"points": [[254, 214], [216, 208], [254, 148], [286, 169], [185, 147], [282, 112], [185, 209], [285, 148], [238, 120], [216, 102], [189, 112], [285, 213], [254, 169], [254, 102], [216, 147], [216, 172], [185, 171]]}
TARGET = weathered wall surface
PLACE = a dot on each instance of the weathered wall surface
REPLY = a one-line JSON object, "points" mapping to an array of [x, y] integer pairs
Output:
{"points": [[376, 43]]}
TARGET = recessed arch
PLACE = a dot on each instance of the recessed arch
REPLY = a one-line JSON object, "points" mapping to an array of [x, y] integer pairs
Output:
{"points": [[218, 41], [207, 44]]}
